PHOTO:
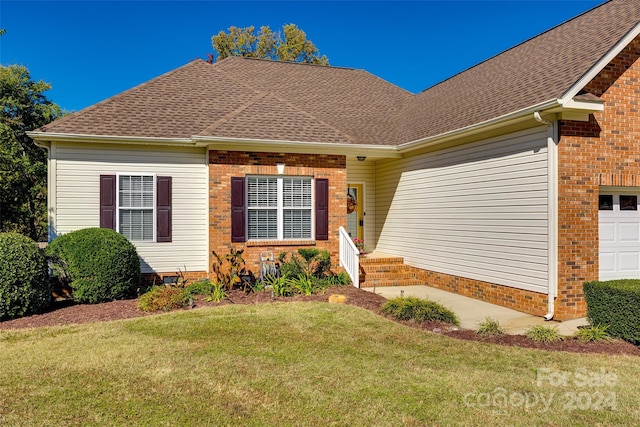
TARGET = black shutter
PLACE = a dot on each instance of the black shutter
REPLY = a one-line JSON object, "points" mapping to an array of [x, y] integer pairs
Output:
{"points": [[238, 210], [108, 201], [322, 209], [163, 209]]}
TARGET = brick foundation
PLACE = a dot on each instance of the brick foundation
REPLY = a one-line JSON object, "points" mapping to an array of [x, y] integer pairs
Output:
{"points": [[226, 164], [525, 301], [149, 279]]}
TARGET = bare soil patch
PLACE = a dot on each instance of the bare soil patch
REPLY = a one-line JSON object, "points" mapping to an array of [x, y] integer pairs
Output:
{"points": [[67, 313]]}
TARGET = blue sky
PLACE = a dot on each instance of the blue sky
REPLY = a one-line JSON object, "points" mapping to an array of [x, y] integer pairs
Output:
{"points": [[91, 50]]}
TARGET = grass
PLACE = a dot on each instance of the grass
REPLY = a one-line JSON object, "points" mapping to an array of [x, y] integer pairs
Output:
{"points": [[292, 364]]}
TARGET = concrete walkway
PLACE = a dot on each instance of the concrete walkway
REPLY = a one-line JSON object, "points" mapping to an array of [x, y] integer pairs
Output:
{"points": [[472, 311]]}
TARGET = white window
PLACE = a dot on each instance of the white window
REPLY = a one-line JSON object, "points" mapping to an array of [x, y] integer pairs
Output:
{"points": [[136, 207], [279, 208]]}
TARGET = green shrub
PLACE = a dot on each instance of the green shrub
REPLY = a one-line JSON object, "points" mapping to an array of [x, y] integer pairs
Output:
{"points": [[164, 298], [24, 279], [201, 287], [615, 303], [418, 310], [593, 333], [340, 279], [307, 262], [97, 263], [490, 328], [543, 333], [217, 293], [280, 286], [304, 285]]}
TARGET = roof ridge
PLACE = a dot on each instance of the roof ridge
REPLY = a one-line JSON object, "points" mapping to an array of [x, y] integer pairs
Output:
{"points": [[90, 108], [277, 61], [227, 117], [236, 80], [283, 100], [515, 46]]}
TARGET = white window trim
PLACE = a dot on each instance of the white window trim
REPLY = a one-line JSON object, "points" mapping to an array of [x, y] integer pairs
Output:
{"points": [[153, 208], [280, 206]]}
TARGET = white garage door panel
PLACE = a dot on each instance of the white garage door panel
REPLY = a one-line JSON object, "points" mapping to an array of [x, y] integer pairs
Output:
{"points": [[629, 261], [628, 231], [607, 262], [619, 235], [607, 232]]}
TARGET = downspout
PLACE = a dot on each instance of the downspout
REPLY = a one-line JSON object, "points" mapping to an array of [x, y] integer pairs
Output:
{"points": [[551, 213], [51, 170]]}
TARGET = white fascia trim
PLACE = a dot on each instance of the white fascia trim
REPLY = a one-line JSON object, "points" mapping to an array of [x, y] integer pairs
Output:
{"points": [[510, 118], [69, 137], [271, 145], [572, 104], [607, 58]]}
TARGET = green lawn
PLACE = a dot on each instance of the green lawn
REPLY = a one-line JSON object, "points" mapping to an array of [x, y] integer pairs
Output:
{"points": [[298, 364]]}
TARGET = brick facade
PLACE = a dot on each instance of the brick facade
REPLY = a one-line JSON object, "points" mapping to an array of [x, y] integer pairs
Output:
{"points": [[604, 151], [226, 164]]}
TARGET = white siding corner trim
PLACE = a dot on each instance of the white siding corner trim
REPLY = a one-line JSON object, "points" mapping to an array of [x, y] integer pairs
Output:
{"points": [[76, 181], [478, 210]]}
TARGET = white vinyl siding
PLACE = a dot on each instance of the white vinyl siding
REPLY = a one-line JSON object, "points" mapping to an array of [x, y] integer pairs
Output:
{"points": [[77, 175], [478, 210], [279, 208], [364, 173]]}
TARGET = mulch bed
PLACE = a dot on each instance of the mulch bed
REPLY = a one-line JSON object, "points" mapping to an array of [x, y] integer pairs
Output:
{"points": [[67, 313]]}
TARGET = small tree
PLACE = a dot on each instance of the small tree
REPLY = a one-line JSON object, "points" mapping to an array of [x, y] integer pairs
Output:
{"points": [[23, 168], [290, 45]]}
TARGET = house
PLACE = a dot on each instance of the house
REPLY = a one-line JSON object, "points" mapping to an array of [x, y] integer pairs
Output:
{"points": [[513, 182]]}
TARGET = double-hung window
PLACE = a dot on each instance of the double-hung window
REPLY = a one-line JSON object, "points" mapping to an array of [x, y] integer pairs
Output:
{"points": [[279, 208], [136, 204]]}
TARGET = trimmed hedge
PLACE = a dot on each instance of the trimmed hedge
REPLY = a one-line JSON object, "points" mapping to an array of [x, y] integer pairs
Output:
{"points": [[615, 303], [24, 280], [99, 264]]}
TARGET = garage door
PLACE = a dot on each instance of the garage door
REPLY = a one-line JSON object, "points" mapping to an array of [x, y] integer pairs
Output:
{"points": [[619, 235]]}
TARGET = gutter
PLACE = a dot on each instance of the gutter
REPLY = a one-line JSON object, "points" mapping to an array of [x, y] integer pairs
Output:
{"points": [[70, 137], [514, 117], [274, 145]]}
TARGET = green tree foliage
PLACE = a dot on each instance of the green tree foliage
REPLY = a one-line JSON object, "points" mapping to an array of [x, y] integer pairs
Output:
{"points": [[289, 45], [24, 282], [23, 169]]}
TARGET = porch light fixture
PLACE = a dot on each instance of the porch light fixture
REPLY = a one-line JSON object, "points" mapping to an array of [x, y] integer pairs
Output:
{"points": [[280, 167], [361, 158]]}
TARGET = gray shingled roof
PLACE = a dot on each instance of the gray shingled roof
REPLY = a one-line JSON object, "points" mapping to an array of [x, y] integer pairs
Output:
{"points": [[256, 99]]}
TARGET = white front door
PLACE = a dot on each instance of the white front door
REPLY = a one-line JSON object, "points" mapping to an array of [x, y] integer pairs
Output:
{"points": [[619, 234]]}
